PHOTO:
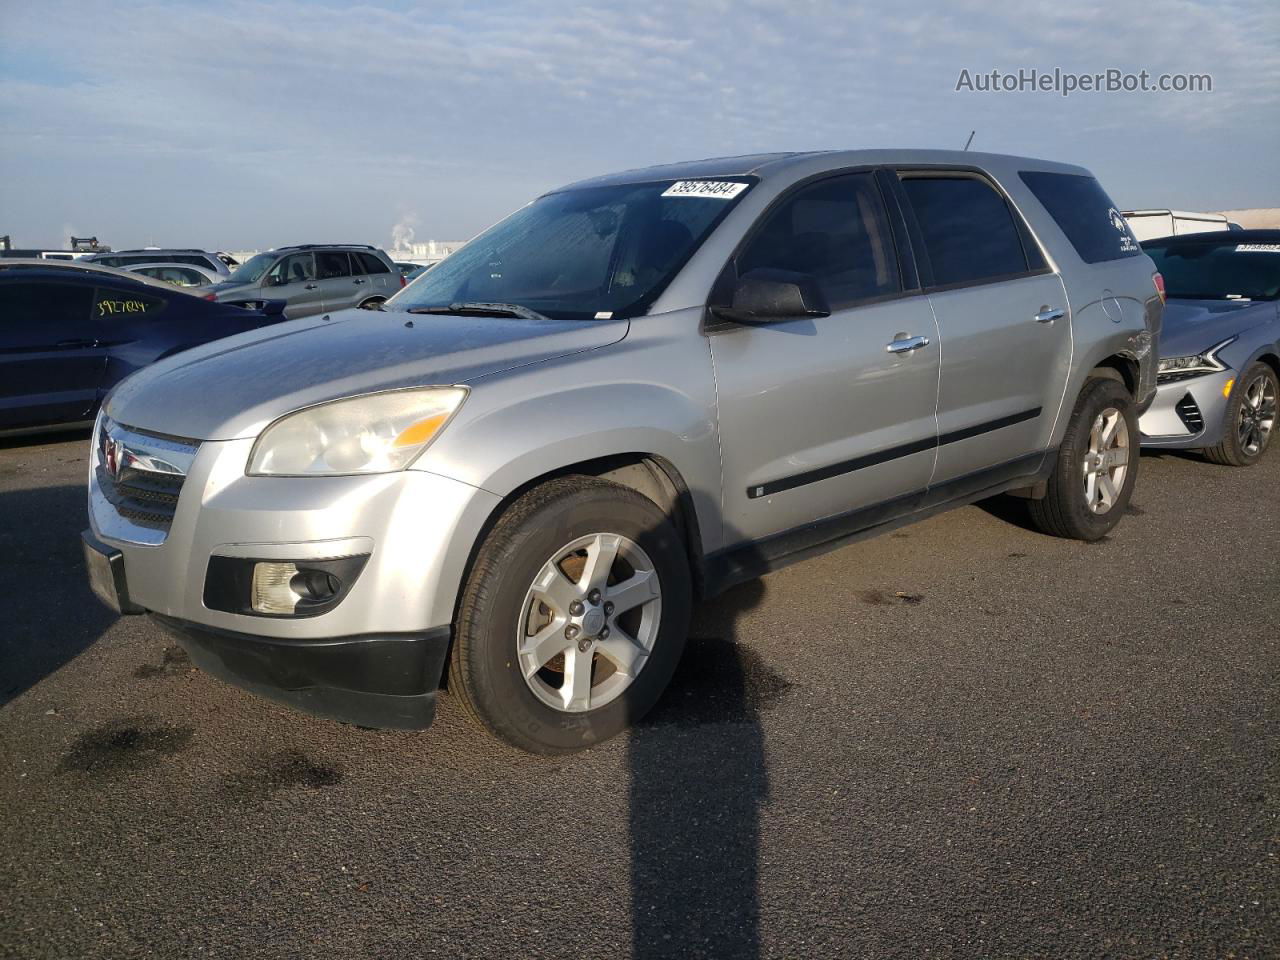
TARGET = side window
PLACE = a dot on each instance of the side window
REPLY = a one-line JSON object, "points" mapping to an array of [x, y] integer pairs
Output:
{"points": [[331, 264], [969, 231], [295, 268], [370, 263], [835, 231], [111, 304], [28, 311], [194, 278], [1085, 213]]}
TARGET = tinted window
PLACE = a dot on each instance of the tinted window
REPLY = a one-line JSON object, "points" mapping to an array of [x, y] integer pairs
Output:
{"points": [[1225, 270], [370, 263], [331, 264], [968, 229], [1085, 213], [28, 311], [295, 268], [836, 232], [126, 304]]}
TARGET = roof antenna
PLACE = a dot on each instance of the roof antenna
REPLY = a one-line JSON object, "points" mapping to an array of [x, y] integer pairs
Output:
{"points": [[970, 140]]}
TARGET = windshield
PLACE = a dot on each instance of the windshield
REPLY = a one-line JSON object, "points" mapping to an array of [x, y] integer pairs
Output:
{"points": [[251, 270], [594, 252], [1223, 270]]}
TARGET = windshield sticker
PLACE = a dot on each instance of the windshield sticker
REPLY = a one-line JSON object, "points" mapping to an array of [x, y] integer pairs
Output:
{"points": [[1258, 248], [718, 189], [1127, 243], [604, 315]]}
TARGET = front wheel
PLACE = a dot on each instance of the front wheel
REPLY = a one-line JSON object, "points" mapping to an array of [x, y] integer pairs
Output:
{"points": [[573, 618], [1096, 468], [1250, 419]]}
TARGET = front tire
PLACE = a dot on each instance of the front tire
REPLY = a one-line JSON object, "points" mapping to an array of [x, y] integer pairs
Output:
{"points": [[1096, 467], [573, 618], [1250, 419]]}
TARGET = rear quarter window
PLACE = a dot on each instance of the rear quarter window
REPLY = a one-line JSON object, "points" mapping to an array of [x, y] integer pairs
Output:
{"points": [[370, 263], [1085, 213], [125, 304]]}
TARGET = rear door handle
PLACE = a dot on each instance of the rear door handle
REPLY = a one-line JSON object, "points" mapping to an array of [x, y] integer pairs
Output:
{"points": [[907, 344], [1048, 316], [357, 281], [311, 286]]}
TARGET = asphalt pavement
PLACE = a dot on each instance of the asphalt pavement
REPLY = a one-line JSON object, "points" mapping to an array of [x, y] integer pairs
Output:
{"points": [[962, 739]]}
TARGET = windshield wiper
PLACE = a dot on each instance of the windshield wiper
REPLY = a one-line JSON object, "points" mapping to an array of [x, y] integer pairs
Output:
{"points": [[479, 309]]}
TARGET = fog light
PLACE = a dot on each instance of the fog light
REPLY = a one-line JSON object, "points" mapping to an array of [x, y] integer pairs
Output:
{"points": [[272, 588]]}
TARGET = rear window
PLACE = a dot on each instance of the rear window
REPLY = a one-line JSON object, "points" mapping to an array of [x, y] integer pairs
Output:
{"points": [[1202, 269], [1085, 213], [370, 263], [969, 231]]}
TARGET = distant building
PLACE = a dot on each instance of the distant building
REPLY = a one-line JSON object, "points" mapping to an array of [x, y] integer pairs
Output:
{"points": [[431, 251], [1259, 218]]}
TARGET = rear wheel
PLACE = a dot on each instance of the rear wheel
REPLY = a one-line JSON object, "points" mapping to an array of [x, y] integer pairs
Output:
{"points": [[373, 303], [1097, 465], [1250, 419], [573, 618]]}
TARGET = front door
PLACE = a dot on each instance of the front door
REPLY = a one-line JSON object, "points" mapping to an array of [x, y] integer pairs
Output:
{"points": [[50, 361], [293, 279], [819, 417]]}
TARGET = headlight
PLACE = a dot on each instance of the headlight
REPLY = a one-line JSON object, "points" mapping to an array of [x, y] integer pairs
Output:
{"points": [[1206, 362], [376, 433]]}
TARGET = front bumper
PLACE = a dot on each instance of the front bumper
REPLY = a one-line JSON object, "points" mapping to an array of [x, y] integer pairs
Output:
{"points": [[1187, 413], [417, 530], [389, 682]]}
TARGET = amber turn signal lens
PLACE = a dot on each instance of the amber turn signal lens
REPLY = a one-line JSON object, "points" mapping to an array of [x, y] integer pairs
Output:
{"points": [[420, 432]]}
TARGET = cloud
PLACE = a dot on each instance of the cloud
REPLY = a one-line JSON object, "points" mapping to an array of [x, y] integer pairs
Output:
{"points": [[246, 123]]}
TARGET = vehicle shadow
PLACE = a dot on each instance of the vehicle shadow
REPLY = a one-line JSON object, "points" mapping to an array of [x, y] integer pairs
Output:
{"points": [[698, 782], [48, 615]]}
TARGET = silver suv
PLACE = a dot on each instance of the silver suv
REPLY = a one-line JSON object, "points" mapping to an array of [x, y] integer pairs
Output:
{"points": [[631, 393], [314, 278]]}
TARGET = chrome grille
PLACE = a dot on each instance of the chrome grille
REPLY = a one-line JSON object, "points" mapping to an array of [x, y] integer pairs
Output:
{"points": [[141, 474]]}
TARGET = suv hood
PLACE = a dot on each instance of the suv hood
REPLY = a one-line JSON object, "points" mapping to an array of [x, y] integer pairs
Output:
{"points": [[1192, 326], [233, 388]]}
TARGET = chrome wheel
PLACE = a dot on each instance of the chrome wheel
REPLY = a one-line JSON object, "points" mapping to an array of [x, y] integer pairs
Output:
{"points": [[589, 622], [1107, 461], [1257, 415]]}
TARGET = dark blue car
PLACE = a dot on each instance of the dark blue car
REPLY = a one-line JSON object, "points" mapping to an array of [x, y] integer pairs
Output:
{"points": [[69, 333]]}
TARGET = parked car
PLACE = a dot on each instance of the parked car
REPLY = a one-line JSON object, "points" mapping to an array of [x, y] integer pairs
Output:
{"points": [[1150, 224], [69, 332], [1220, 356], [633, 391], [315, 278], [131, 258], [405, 267], [418, 271], [178, 274]]}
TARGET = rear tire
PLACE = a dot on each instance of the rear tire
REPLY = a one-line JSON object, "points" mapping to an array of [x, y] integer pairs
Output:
{"points": [[373, 303], [572, 581], [1097, 465], [1250, 419]]}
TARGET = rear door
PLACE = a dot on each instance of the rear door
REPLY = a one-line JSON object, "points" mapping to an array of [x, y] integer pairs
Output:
{"points": [[339, 289], [1003, 316], [382, 279], [50, 361], [820, 416]]}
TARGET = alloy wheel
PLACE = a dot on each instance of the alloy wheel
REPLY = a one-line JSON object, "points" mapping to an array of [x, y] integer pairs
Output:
{"points": [[1107, 461], [1257, 415], [589, 622]]}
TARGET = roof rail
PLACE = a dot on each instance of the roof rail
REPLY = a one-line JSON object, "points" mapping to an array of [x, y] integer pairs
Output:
{"points": [[327, 246]]}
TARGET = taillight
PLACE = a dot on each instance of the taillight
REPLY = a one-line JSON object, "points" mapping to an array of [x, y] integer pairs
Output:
{"points": [[214, 296], [1158, 279], [403, 281]]}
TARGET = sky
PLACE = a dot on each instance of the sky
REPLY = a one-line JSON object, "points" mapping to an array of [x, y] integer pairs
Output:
{"points": [[245, 124]]}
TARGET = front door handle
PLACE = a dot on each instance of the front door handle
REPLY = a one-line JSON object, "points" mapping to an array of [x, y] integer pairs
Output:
{"points": [[1048, 315], [311, 286], [357, 281], [907, 344]]}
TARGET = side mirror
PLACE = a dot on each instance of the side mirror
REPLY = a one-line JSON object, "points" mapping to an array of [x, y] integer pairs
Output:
{"points": [[771, 296]]}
